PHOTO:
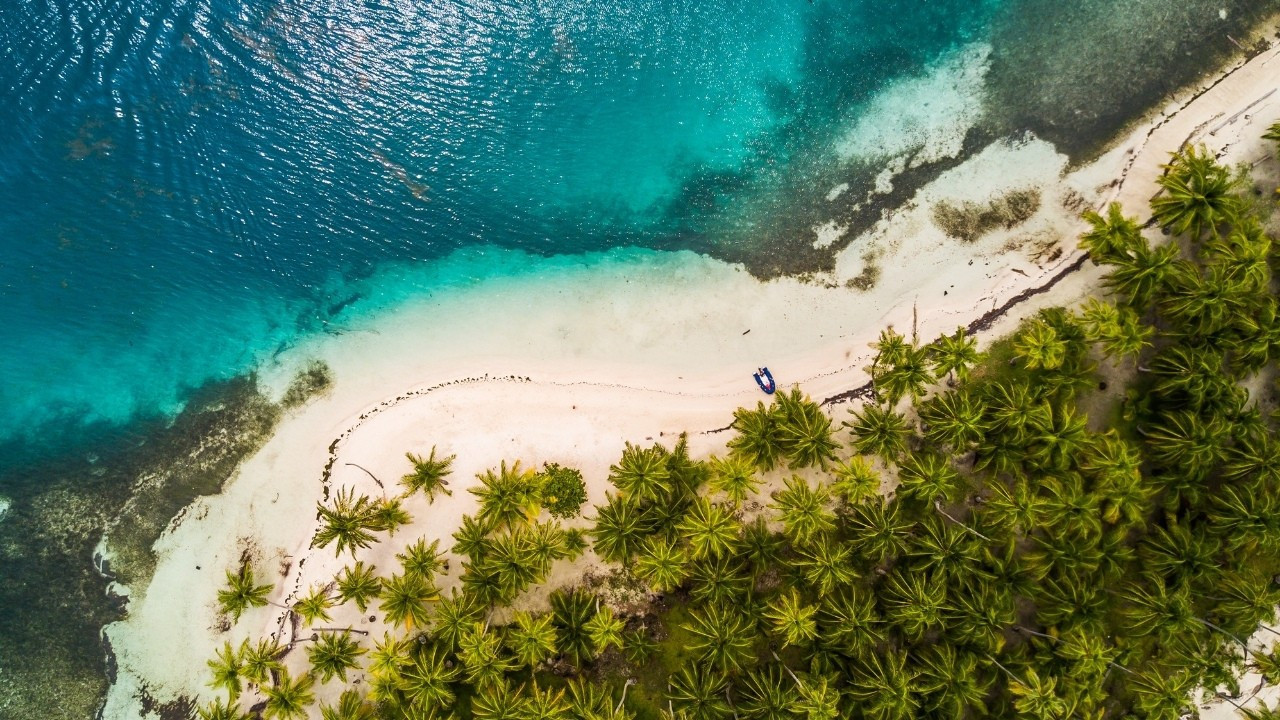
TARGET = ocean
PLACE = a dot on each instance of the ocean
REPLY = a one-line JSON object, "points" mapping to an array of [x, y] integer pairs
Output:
{"points": [[188, 188]]}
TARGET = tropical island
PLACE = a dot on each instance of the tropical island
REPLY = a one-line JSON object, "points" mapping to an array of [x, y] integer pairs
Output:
{"points": [[1062, 508], [1077, 521]]}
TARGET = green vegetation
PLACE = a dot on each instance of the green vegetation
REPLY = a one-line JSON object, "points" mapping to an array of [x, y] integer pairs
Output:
{"points": [[970, 221], [1025, 563], [563, 491]]}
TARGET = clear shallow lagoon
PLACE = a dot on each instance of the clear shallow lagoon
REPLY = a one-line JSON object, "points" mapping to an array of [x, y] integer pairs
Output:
{"points": [[186, 186]]}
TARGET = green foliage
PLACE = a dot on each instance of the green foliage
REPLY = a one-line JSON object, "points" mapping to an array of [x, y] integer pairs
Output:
{"points": [[405, 598], [1199, 194], [242, 592], [333, 654], [359, 584], [288, 698], [428, 475], [563, 491], [1026, 563], [227, 670], [348, 523], [314, 606], [508, 497]]}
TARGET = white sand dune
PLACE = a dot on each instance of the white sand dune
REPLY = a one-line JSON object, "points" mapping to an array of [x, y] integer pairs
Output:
{"points": [[566, 364]]}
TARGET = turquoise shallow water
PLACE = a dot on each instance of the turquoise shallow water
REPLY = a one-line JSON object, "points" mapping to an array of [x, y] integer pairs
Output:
{"points": [[188, 185]]}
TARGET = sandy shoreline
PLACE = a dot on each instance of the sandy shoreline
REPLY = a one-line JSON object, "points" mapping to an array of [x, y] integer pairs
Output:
{"points": [[567, 366]]}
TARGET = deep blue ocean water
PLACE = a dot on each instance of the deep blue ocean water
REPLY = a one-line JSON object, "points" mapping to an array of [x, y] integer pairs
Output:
{"points": [[188, 185]]}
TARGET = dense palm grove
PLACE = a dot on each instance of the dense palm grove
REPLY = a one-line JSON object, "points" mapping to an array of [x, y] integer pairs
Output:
{"points": [[989, 536]]}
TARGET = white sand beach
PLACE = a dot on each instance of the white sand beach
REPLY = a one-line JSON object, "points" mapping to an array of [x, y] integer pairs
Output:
{"points": [[567, 363]]}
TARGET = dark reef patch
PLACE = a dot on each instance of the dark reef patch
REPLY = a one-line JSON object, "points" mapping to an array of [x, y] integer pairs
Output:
{"points": [[128, 483]]}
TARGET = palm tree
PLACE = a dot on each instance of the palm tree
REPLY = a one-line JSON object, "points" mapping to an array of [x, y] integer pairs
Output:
{"points": [[721, 637], [428, 475], [757, 440], [1035, 697], [1204, 303], [481, 654], [228, 672], [532, 639], [515, 563], [880, 531], [507, 498], [219, 710], [914, 602], [908, 375], [719, 580], [288, 698], [453, 616], [347, 523], [980, 615], [824, 564], [545, 704], [570, 611], [619, 529], [351, 706], [241, 593], [1163, 694], [428, 680], [1119, 330], [954, 354], [849, 621], [547, 542], [879, 431], [642, 473], [405, 598], [1040, 346], [759, 546], [472, 537], [334, 654], [260, 661], [358, 583], [1055, 439], [1199, 194], [1158, 611], [315, 606], [855, 480], [661, 564], [1145, 275], [735, 476], [766, 695], [803, 510], [952, 681], [1112, 237], [1115, 466], [804, 431], [792, 619], [390, 656], [422, 559], [929, 478], [700, 693], [954, 419], [604, 629], [884, 688], [820, 700], [388, 515], [710, 530], [496, 701], [1188, 442]]}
